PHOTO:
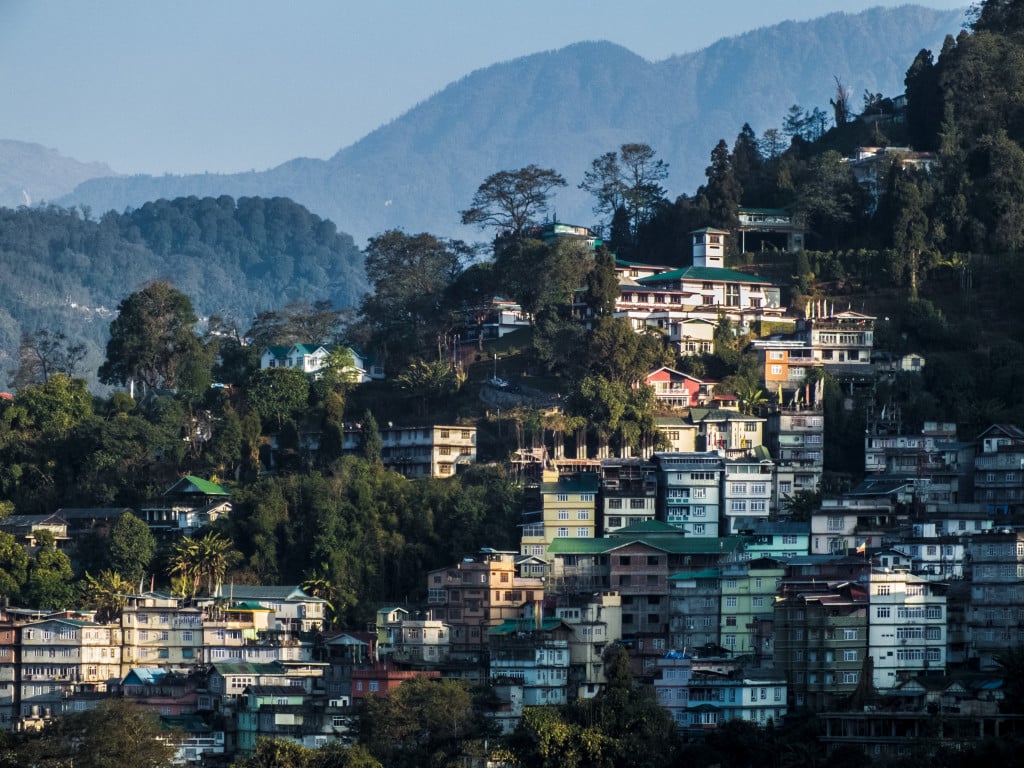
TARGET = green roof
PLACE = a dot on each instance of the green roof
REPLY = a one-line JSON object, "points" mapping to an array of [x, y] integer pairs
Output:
{"points": [[704, 274], [648, 526], [778, 211], [198, 484], [671, 543]]}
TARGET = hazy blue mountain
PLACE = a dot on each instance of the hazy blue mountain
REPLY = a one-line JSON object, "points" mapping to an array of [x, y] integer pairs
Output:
{"points": [[561, 109], [32, 173]]}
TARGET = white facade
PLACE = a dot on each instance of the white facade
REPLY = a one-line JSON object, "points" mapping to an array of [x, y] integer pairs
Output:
{"points": [[906, 627], [689, 488]]}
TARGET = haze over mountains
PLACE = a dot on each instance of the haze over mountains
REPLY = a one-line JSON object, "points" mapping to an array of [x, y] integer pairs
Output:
{"points": [[561, 109]]}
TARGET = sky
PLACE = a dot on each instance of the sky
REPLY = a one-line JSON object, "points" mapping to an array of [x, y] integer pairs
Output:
{"points": [[219, 86]]}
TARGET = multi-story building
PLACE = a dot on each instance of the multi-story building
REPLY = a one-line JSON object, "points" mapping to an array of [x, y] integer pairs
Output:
{"points": [[533, 653], [870, 519], [795, 436], [747, 492], [906, 627], [431, 451], [291, 608], [628, 493], [477, 593], [939, 464], [672, 686], [568, 511], [841, 341], [750, 696], [994, 606], [676, 389], [732, 434], [689, 491], [678, 433], [821, 641], [159, 630], [62, 656], [748, 594], [685, 303], [999, 468], [781, 539], [695, 600], [597, 621], [10, 665]]}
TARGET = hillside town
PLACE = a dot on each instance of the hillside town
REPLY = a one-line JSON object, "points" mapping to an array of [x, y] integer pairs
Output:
{"points": [[739, 592]]}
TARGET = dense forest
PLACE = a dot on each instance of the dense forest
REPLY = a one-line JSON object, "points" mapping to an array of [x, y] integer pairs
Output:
{"points": [[233, 258]]}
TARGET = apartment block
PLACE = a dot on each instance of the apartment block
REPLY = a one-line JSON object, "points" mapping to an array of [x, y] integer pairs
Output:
{"points": [[906, 627]]}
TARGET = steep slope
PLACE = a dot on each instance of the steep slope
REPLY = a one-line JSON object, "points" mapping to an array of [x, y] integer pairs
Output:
{"points": [[563, 108]]}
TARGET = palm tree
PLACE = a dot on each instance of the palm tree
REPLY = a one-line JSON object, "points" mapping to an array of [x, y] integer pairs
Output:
{"points": [[207, 558], [107, 593]]}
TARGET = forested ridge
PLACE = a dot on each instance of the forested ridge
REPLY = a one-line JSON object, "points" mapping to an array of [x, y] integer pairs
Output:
{"points": [[68, 272]]}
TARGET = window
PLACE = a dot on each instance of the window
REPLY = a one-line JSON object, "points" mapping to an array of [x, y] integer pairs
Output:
{"points": [[562, 497], [850, 654], [835, 523], [882, 612], [563, 533], [582, 533], [563, 514], [850, 678], [883, 589], [614, 522], [624, 560], [730, 602], [614, 503], [850, 633], [465, 434], [637, 503]]}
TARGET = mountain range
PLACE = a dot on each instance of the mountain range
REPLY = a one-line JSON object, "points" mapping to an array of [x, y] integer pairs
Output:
{"points": [[560, 109]]}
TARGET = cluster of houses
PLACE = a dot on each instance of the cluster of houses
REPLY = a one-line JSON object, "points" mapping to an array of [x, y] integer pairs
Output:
{"points": [[896, 597]]}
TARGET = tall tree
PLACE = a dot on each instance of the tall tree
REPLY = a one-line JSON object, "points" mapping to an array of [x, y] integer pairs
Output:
{"points": [[150, 337], [629, 180], [297, 323], [132, 548], [406, 310], [722, 191], [278, 393], [511, 201], [44, 353]]}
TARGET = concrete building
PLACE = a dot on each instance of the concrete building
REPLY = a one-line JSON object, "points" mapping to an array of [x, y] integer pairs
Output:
{"points": [[431, 451], [999, 468], [480, 592], [821, 642], [747, 492], [906, 627], [748, 594], [689, 491], [795, 436], [628, 493]]}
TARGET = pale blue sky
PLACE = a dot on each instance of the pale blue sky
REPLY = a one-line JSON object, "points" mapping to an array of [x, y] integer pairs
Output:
{"points": [[183, 86]]}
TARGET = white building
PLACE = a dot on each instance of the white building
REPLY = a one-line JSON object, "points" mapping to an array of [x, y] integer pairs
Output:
{"points": [[906, 627], [689, 487]]}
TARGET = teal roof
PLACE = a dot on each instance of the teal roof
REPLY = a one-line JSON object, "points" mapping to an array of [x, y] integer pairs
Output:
{"points": [[676, 544], [708, 573], [704, 274], [282, 350], [509, 626], [582, 484]]}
